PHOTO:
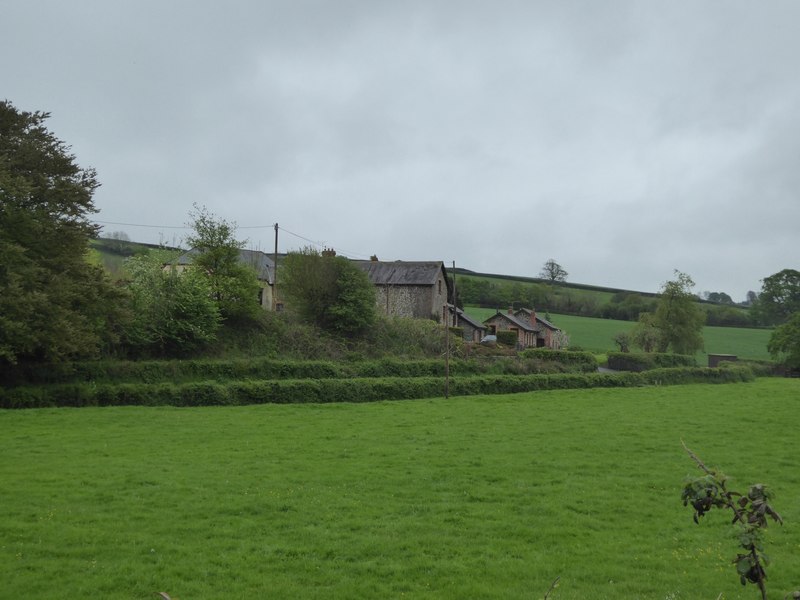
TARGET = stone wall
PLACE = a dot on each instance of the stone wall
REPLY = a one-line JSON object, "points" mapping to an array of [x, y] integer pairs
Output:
{"points": [[419, 302]]}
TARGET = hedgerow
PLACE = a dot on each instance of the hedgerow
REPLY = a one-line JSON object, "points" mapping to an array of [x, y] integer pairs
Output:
{"points": [[584, 361], [637, 362], [177, 371], [214, 393]]}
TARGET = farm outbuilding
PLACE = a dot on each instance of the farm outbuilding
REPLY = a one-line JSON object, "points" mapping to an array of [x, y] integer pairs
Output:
{"points": [[409, 289], [473, 330], [532, 330], [547, 334]]}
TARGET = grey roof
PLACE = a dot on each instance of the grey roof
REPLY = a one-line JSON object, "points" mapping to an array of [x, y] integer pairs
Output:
{"points": [[260, 261], [539, 319], [401, 272], [526, 325], [465, 317]]}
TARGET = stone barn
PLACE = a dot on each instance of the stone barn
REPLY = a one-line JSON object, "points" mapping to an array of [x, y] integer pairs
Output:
{"points": [[409, 289]]}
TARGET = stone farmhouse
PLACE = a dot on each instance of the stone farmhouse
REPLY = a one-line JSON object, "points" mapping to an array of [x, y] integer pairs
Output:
{"points": [[532, 331], [409, 289], [403, 288]]}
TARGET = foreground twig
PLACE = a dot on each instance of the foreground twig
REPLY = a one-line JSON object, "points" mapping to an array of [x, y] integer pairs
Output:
{"points": [[750, 511], [553, 586]]}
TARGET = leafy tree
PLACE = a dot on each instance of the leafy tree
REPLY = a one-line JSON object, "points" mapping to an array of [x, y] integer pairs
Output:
{"points": [[679, 317], [627, 306], [553, 272], [234, 285], [623, 340], [54, 305], [646, 334], [779, 297], [784, 343], [719, 297], [329, 291], [173, 314]]}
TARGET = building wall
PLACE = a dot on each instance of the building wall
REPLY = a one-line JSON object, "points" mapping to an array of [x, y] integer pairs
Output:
{"points": [[525, 339], [266, 295], [414, 301], [471, 334]]}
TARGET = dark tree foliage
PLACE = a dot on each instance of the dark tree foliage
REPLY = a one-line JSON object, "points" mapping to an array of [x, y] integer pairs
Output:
{"points": [[784, 344], [53, 304], [329, 291], [627, 306], [779, 297]]}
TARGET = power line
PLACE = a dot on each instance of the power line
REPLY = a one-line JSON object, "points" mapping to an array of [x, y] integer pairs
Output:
{"points": [[177, 226], [297, 235], [140, 225]]}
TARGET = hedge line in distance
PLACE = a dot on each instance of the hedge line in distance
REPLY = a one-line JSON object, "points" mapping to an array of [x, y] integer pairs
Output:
{"points": [[234, 393]]}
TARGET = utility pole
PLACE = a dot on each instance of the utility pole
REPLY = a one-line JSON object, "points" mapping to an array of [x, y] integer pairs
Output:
{"points": [[275, 273], [455, 305], [447, 338]]}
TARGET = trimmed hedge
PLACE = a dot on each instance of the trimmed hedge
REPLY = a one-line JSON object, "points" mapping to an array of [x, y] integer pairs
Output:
{"points": [[344, 390], [507, 338], [177, 371], [636, 362], [585, 361]]}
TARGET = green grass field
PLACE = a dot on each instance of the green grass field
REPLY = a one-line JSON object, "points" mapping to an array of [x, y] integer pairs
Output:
{"points": [[597, 335], [480, 497]]}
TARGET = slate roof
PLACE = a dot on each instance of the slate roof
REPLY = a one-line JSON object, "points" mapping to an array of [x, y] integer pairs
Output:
{"points": [[539, 319], [260, 261], [465, 317], [401, 272], [525, 325]]}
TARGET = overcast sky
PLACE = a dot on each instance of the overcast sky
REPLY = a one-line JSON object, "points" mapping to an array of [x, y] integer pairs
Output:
{"points": [[624, 139]]}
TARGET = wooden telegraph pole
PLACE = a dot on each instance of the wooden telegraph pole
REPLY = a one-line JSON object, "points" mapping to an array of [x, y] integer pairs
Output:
{"points": [[275, 273]]}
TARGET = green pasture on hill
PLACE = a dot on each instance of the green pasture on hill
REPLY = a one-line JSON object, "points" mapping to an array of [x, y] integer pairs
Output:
{"points": [[595, 334], [600, 296], [479, 497]]}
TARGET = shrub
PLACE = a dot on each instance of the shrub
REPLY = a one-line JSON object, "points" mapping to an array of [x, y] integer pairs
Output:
{"points": [[507, 338]]}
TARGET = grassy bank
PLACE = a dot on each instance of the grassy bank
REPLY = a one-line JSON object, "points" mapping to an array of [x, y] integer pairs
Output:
{"points": [[481, 497]]}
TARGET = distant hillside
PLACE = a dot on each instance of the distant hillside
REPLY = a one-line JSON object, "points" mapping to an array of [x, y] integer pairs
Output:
{"points": [[494, 291], [567, 285], [111, 253]]}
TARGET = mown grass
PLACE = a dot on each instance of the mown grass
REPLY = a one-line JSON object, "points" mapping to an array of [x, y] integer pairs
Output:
{"points": [[481, 497], [595, 334]]}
